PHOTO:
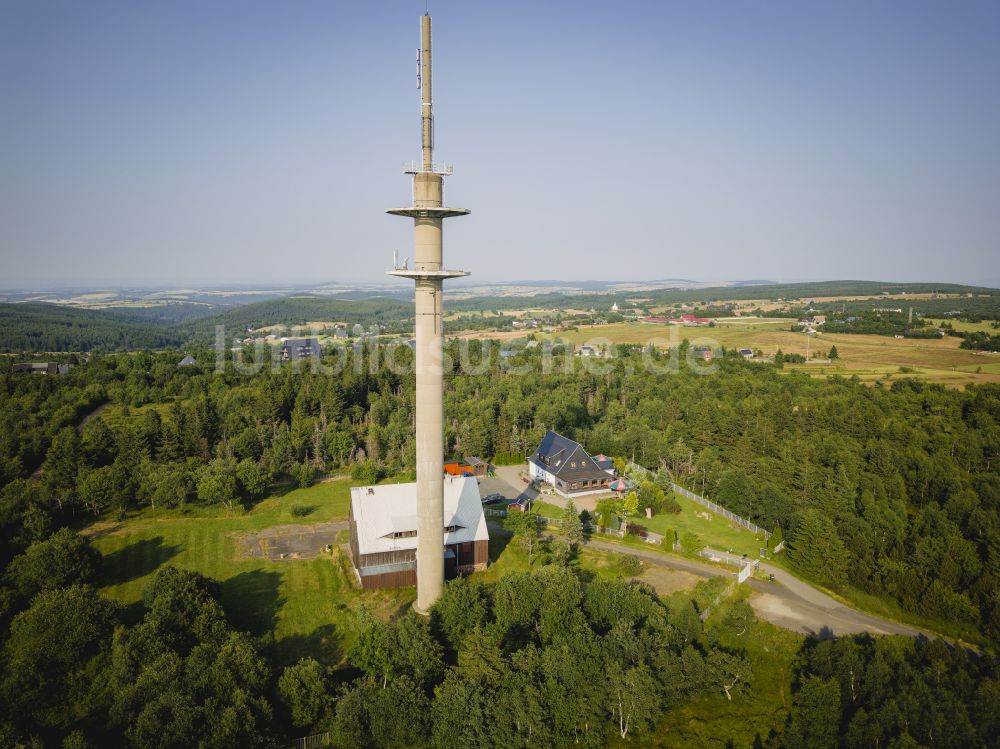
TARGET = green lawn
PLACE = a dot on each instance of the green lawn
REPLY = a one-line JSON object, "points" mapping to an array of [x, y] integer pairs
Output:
{"points": [[509, 555], [546, 509], [988, 366], [715, 530], [305, 606]]}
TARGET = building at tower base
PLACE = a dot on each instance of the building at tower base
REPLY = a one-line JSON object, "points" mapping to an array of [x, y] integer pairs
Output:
{"points": [[384, 532]]}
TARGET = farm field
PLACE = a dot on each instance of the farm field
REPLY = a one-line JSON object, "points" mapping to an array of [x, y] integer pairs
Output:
{"points": [[983, 326], [770, 305], [870, 357], [301, 606]]}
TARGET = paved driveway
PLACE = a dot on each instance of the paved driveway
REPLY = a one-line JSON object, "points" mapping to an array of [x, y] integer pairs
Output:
{"points": [[507, 482], [788, 602]]}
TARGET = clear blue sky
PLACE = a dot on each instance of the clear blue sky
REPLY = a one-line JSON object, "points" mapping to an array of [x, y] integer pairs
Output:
{"points": [[236, 141]]}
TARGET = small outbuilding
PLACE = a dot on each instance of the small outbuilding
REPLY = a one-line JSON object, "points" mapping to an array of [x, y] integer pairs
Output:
{"points": [[470, 466]]}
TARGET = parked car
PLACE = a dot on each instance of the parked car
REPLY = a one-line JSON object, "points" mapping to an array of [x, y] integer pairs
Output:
{"points": [[495, 497], [521, 505]]}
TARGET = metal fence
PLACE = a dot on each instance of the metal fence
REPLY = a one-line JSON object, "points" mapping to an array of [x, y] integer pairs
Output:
{"points": [[721, 557], [312, 742], [745, 565], [706, 612], [720, 510], [638, 470]]}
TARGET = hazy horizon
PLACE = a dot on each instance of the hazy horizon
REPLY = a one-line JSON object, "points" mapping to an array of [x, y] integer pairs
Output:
{"points": [[244, 143]]}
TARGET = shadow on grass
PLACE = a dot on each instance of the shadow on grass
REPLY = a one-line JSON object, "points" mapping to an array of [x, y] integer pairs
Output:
{"points": [[132, 614], [498, 542], [136, 560], [252, 601], [323, 644], [279, 490]]}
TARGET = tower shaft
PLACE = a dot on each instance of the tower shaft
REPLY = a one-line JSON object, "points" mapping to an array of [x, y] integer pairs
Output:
{"points": [[428, 213]]}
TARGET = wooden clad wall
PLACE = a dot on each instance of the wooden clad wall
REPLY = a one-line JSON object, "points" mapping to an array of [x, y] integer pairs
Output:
{"points": [[482, 553], [401, 579]]}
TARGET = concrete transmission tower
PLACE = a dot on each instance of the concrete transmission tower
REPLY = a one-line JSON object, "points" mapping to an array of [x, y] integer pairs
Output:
{"points": [[428, 273]]}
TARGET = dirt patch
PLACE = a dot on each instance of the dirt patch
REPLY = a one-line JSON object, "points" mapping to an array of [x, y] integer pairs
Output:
{"points": [[285, 542], [666, 581], [101, 529]]}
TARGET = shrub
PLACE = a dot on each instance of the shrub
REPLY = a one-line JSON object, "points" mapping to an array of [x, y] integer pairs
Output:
{"points": [[303, 474], [366, 473], [508, 458], [630, 565], [691, 543], [300, 511], [634, 529]]}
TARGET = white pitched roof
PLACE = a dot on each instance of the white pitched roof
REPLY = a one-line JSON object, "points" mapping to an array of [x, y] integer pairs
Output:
{"points": [[380, 511]]}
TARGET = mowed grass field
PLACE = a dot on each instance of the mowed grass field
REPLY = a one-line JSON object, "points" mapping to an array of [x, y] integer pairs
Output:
{"points": [[300, 606], [714, 530]]}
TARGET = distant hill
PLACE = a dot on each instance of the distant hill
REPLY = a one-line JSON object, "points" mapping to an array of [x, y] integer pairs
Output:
{"points": [[38, 327], [789, 291], [388, 313]]}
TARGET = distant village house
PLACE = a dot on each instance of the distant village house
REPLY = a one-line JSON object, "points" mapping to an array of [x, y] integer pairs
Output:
{"points": [[293, 349], [52, 368]]}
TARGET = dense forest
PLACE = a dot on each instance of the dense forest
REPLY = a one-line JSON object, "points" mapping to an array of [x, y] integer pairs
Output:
{"points": [[887, 491], [548, 658], [40, 327], [893, 491]]}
